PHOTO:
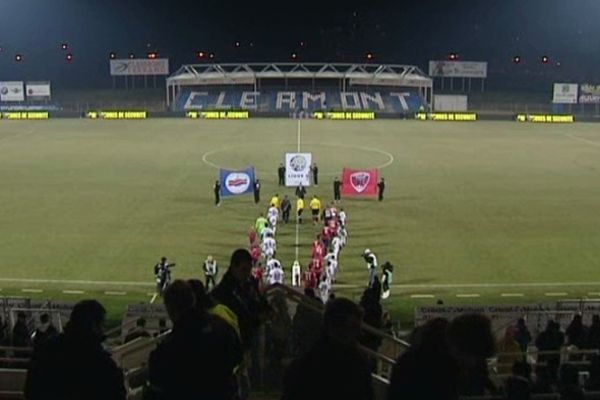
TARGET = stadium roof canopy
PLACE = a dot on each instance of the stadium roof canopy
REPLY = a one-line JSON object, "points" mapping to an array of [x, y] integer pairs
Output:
{"points": [[254, 73], [249, 74]]}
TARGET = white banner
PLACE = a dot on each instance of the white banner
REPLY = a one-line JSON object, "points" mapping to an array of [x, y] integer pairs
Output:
{"points": [[297, 169], [589, 94], [565, 93], [124, 67], [12, 91], [458, 69], [450, 103], [37, 89]]}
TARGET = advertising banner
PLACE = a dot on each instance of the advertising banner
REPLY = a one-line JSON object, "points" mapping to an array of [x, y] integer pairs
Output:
{"points": [[360, 182], [37, 89], [12, 91], [458, 69], [565, 93], [589, 94], [125, 67], [297, 169], [235, 183]]}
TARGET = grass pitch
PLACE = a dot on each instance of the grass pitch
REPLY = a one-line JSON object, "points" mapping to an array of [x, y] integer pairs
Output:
{"points": [[471, 208]]}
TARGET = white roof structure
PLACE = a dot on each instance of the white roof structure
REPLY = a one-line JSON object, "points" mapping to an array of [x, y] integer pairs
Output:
{"points": [[248, 74]]}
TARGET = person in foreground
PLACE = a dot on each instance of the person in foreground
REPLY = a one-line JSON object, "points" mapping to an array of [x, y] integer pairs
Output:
{"points": [[73, 365], [334, 368]]}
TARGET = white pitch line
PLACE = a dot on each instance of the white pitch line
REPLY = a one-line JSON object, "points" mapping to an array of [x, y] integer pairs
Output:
{"points": [[111, 293], [298, 136], [297, 241], [467, 295], [153, 298], [77, 282], [512, 295], [421, 296], [31, 290], [479, 285], [570, 136], [556, 294], [589, 294], [73, 291]]}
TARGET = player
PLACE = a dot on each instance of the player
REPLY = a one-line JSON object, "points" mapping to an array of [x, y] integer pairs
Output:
{"points": [[331, 266], [162, 272], [315, 208], [252, 236], [269, 246], [336, 246], [217, 190], [324, 288], [318, 250], [342, 217], [371, 261], [211, 270], [260, 224], [275, 201], [386, 279], [273, 216], [296, 274], [255, 253], [272, 263], [299, 209], [267, 231], [342, 233], [275, 275]]}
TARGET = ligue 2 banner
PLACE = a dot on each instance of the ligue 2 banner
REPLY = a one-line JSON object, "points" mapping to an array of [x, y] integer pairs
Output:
{"points": [[360, 182], [565, 93], [297, 169], [458, 69], [39, 90], [124, 67], [235, 183], [12, 91]]}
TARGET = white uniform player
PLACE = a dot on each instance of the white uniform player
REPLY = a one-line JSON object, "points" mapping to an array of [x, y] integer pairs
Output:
{"points": [[342, 217], [269, 246], [273, 217], [273, 263], [275, 275], [331, 264], [324, 288], [343, 235], [296, 274], [268, 231], [336, 246]]}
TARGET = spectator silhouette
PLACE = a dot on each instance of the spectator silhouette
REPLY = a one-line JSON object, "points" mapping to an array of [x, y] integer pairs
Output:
{"points": [[522, 335], [519, 386], [195, 360], [45, 331], [472, 343], [544, 380], [568, 383], [238, 291], [20, 332], [593, 339], [307, 323], [73, 365], [277, 334], [138, 332], [576, 333], [551, 339], [426, 369], [373, 316], [509, 351], [333, 368], [593, 383]]}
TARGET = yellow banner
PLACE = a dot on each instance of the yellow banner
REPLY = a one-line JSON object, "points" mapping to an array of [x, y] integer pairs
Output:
{"points": [[546, 118], [460, 117], [25, 115]]}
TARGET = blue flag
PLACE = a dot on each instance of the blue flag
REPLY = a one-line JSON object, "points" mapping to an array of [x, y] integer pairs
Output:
{"points": [[234, 183]]}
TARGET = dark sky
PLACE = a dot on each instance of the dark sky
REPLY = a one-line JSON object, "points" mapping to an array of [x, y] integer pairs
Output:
{"points": [[395, 31]]}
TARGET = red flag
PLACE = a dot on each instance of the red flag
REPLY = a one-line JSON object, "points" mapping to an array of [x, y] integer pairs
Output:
{"points": [[360, 182]]}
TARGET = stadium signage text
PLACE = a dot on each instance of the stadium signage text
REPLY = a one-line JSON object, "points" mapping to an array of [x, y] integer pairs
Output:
{"points": [[348, 116], [25, 115], [218, 114], [541, 118], [117, 114], [460, 117]]}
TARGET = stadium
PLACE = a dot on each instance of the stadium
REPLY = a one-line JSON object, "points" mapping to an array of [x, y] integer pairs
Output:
{"points": [[395, 221]]}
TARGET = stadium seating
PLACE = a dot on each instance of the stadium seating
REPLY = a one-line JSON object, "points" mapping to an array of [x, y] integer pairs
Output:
{"points": [[395, 101]]}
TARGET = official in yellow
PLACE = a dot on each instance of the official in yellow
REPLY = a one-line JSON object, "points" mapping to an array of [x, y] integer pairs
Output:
{"points": [[315, 208], [299, 209]]}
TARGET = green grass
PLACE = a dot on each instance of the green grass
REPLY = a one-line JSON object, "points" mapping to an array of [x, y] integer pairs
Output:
{"points": [[481, 203]]}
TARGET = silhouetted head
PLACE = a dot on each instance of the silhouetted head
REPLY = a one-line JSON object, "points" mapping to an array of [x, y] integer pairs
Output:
{"points": [[241, 265], [87, 320], [179, 300], [342, 321]]}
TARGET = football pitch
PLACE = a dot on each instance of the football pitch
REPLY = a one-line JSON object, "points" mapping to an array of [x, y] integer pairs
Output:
{"points": [[485, 212]]}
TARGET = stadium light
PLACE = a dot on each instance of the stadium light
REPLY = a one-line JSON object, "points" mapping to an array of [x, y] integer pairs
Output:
{"points": [[302, 44], [200, 54], [69, 57], [131, 55], [294, 56], [18, 58], [152, 55], [237, 44], [517, 59], [452, 56], [369, 56], [112, 55], [64, 46], [545, 60], [211, 55]]}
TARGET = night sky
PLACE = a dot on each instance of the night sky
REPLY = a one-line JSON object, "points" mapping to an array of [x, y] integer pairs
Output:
{"points": [[411, 32]]}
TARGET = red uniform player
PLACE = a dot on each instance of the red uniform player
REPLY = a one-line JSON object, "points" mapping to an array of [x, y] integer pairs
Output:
{"points": [[252, 236], [255, 253]]}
